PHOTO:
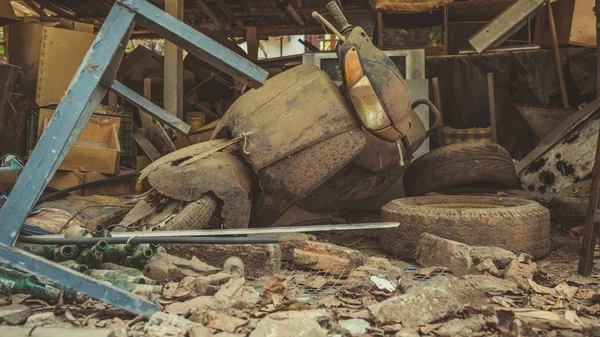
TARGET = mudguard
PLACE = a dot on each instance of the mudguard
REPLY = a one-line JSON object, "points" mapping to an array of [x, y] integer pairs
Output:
{"points": [[292, 111], [188, 173]]}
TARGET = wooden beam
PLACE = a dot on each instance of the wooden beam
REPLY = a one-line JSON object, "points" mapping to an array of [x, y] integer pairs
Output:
{"points": [[590, 229], [559, 69], [229, 13], [36, 8], [252, 42], [206, 10], [262, 33], [290, 9], [380, 29], [173, 67]]}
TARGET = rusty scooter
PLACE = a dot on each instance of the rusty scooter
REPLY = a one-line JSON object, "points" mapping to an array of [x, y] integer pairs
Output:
{"points": [[298, 140]]}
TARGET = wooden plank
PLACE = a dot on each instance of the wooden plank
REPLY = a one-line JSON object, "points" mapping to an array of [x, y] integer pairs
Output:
{"points": [[228, 13], [113, 102], [152, 129], [252, 43], [173, 78], [559, 69], [146, 145], [380, 29], [590, 229], [292, 11], [206, 10]]}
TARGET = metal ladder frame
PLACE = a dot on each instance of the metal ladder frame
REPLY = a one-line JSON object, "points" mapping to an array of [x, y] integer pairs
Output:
{"points": [[95, 76]]}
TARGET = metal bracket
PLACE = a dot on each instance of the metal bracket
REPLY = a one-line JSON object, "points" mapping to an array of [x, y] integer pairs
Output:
{"points": [[92, 80]]}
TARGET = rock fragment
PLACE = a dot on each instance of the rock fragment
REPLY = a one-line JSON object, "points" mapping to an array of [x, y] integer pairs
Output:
{"points": [[433, 251]]}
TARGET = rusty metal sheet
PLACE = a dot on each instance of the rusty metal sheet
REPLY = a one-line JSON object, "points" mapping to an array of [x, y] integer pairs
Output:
{"points": [[293, 110], [188, 173], [288, 180], [566, 162], [384, 76], [544, 119]]}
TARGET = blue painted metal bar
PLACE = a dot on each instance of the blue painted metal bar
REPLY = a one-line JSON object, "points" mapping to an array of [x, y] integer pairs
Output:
{"points": [[74, 110], [69, 278], [142, 103], [196, 43]]}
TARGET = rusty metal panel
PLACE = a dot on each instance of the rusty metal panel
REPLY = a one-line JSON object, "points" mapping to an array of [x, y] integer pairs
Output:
{"points": [[544, 119], [293, 110], [290, 179], [568, 161], [189, 173]]}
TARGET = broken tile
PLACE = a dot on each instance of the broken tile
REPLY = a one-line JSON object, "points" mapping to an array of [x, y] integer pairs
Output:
{"points": [[306, 327], [323, 256]]}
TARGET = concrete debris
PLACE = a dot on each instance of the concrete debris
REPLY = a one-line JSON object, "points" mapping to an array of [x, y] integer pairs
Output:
{"points": [[318, 314], [488, 266], [14, 314], [407, 333], [200, 331], [417, 307], [236, 294], [305, 327], [222, 322], [258, 260], [520, 272], [277, 291], [43, 319], [204, 285], [355, 326], [165, 268], [499, 256], [376, 266], [435, 251], [162, 324], [322, 256], [183, 308], [465, 327]]}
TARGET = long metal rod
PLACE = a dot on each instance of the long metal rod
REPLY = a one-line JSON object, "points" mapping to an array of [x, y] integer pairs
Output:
{"points": [[249, 231], [590, 229], [559, 69]]}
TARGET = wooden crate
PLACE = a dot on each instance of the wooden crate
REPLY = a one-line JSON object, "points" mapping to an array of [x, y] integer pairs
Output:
{"points": [[97, 148]]}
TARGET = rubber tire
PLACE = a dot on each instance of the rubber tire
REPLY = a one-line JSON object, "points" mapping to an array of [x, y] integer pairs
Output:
{"points": [[194, 215], [516, 224], [460, 164], [570, 204]]}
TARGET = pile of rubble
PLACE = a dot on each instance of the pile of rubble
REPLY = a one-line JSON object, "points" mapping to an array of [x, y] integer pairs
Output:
{"points": [[315, 288]]}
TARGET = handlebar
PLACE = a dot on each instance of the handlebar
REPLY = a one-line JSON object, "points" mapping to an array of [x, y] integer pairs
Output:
{"points": [[337, 15]]}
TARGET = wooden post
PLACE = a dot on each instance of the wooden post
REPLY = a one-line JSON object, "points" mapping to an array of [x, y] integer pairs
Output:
{"points": [[113, 102], [173, 70], [445, 14], [590, 229], [252, 43], [597, 49], [492, 102], [559, 69], [380, 29]]}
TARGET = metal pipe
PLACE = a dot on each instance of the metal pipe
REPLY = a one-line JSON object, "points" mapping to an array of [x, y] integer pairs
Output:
{"points": [[238, 231]]}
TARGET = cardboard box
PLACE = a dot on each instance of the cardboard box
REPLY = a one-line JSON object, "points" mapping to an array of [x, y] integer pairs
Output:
{"points": [[574, 20], [97, 148], [65, 179], [49, 57]]}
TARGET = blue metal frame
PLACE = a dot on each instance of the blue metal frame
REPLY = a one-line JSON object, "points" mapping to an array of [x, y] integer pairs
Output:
{"points": [[90, 84]]}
